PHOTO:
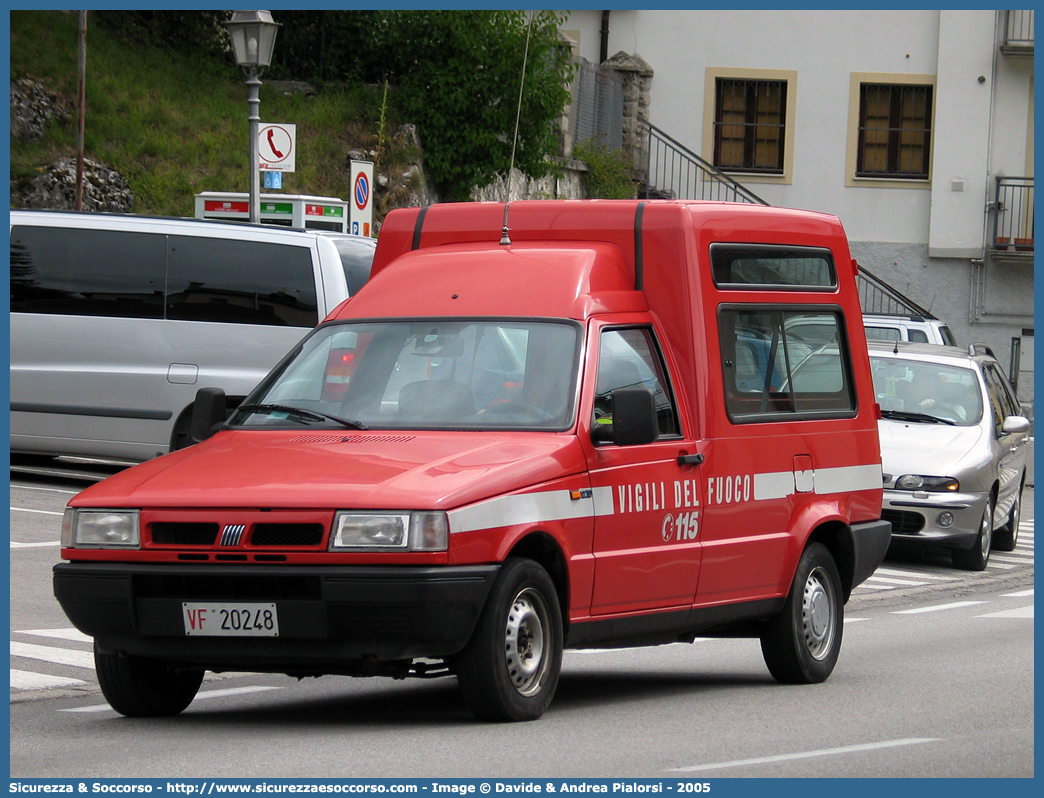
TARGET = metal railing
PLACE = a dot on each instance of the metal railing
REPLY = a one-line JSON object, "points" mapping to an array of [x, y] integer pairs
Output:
{"points": [[1018, 29], [1013, 215], [673, 171]]}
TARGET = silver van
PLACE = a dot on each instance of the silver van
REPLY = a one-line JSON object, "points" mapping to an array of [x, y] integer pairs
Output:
{"points": [[916, 329], [116, 320]]}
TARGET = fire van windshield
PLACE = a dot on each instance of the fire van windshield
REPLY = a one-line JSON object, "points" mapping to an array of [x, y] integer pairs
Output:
{"points": [[425, 374]]}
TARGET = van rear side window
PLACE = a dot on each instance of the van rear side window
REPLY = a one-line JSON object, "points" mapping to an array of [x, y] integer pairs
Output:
{"points": [[87, 272], [774, 370], [82, 272], [754, 266]]}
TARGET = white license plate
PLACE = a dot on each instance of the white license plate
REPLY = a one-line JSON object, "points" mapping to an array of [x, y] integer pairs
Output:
{"points": [[230, 619]]}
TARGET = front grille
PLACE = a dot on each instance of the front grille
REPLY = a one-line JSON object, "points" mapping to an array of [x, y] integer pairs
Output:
{"points": [[287, 535], [173, 533], [904, 522]]}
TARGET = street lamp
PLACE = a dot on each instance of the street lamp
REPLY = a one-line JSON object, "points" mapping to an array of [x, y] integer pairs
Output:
{"points": [[253, 36]]}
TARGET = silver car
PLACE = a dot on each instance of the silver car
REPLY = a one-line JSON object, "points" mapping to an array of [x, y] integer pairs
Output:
{"points": [[953, 448]]}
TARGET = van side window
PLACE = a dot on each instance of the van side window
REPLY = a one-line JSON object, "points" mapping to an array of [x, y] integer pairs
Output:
{"points": [[629, 358], [783, 363], [244, 282], [87, 272], [759, 266]]}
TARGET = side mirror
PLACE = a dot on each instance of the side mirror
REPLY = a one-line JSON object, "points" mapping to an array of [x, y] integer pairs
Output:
{"points": [[1013, 424], [209, 410], [634, 419]]}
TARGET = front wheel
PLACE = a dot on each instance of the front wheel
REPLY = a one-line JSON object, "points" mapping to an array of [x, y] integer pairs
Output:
{"points": [[509, 669], [802, 643], [145, 688], [1007, 537], [976, 558]]}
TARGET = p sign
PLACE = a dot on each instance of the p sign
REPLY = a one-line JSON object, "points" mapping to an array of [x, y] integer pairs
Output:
{"points": [[362, 198]]}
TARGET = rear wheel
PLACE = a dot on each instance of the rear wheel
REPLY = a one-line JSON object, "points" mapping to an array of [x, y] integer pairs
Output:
{"points": [[975, 558], [145, 688], [1005, 538], [802, 643], [509, 669]]}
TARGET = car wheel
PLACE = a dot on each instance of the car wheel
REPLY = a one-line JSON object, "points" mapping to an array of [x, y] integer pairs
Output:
{"points": [[802, 643], [975, 558], [1005, 538], [509, 669], [145, 688]]}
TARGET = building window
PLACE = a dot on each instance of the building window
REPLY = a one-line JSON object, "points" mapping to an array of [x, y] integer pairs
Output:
{"points": [[895, 125], [750, 125]]}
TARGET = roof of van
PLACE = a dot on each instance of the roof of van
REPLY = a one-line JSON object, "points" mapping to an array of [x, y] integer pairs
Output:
{"points": [[108, 219]]}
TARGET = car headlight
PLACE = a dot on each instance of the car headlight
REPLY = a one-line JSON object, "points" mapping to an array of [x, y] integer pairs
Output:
{"points": [[100, 529], [935, 484], [402, 531]]}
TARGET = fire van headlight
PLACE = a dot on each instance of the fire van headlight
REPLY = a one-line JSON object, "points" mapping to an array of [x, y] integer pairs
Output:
{"points": [[100, 529], [936, 484], [406, 531]]}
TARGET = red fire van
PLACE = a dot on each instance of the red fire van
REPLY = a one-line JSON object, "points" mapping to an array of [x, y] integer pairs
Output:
{"points": [[560, 424]]}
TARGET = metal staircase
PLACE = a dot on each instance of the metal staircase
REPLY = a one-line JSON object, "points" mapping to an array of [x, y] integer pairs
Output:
{"points": [[672, 171]]}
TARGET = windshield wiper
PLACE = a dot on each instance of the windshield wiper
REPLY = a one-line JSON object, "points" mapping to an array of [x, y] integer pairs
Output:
{"points": [[313, 415], [905, 415]]}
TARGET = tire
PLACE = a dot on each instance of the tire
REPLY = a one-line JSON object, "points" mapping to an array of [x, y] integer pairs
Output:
{"points": [[509, 669], [145, 688], [1006, 538], [975, 558], [802, 643]]}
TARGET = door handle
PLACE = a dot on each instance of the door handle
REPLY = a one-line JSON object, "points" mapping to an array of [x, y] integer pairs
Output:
{"points": [[690, 459]]}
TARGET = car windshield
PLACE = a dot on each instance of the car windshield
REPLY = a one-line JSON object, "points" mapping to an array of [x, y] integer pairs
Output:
{"points": [[907, 389], [423, 374]]}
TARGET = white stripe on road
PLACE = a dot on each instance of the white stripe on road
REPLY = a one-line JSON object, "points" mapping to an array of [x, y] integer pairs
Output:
{"points": [[915, 574], [41, 512], [1019, 594], [808, 754], [231, 691], [66, 633], [938, 607], [26, 680], [1021, 612], [16, 545], [58, 656]]}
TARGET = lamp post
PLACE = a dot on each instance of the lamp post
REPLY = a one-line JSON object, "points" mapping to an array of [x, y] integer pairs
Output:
{"points": [[253, 36]]}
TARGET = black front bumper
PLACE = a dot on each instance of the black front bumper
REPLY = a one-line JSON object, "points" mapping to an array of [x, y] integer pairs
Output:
{"points": [[331, 618]]}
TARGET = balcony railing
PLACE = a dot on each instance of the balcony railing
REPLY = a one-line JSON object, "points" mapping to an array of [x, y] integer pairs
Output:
{"points": [[1013, 215], [1018, 34]]}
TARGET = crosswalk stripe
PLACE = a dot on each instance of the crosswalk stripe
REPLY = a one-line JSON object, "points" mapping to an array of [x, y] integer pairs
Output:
{"points": [[70, 633], [938, 607], [892, 581], [1019, 612], [913, 574], [58, 656], [27, 680]]}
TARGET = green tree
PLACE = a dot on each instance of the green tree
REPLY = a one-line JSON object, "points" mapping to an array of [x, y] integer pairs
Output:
{"points": [[458, 76]]}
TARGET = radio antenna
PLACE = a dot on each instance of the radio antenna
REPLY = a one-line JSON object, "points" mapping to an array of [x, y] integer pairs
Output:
{"points": [[505, 238]]}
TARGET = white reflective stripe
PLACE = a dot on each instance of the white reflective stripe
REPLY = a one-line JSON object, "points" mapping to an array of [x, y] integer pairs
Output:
{"points": [[845, 479], [530, 508], [848, 478], [778, 485]]}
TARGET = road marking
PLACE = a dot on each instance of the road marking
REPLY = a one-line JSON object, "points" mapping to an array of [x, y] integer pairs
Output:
{"points": [[203, 696], [809, 754], [893, 581], [999, 566], [16, 545], [914, 574], [23, 486], [855, 620], [58, 656], [1019, 594], [1021, 612], [27, 680], [41, 512], [1013, 557], [66, 633], [938, 607]]}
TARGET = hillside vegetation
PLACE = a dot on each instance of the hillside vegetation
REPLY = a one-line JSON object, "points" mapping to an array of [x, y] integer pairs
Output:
{"points": [[175, 123]]}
